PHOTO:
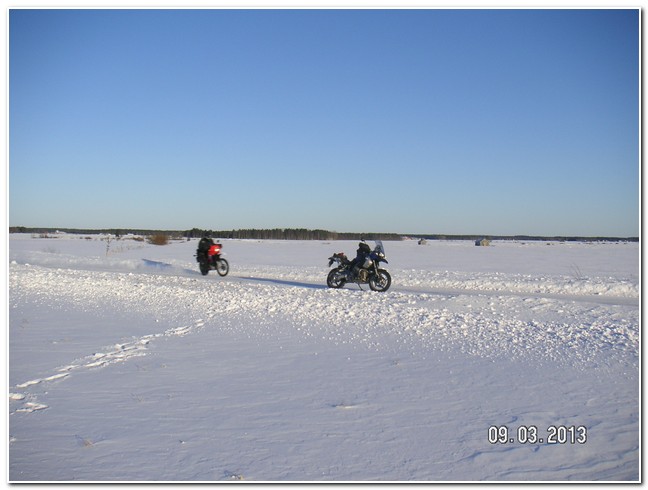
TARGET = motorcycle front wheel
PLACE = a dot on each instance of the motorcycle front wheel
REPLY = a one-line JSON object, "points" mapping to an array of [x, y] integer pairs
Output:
{"points": [[380, 281], [222, 267], [335, 279], [204, 267]]}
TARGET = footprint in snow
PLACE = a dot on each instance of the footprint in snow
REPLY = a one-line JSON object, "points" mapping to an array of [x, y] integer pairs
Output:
{"points": [[37, 381], [344, 406], [32, 407]]}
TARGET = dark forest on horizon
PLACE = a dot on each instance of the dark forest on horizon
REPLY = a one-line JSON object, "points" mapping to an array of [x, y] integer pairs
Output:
{"points": [[306, 234]]}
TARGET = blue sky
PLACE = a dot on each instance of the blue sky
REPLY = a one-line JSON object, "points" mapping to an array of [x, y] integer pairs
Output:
{"points": [[408, 121]]}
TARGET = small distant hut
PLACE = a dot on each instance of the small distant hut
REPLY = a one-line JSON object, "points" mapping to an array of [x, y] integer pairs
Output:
{"points": [[482, 242]]}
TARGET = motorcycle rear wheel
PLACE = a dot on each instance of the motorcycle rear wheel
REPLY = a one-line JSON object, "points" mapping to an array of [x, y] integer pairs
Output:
{"points": [[222, 267], [335, 279], [381, 281]]}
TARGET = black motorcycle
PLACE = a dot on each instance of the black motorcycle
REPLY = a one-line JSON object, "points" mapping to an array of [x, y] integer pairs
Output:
{"points": [[368, 272], [208, 256]]}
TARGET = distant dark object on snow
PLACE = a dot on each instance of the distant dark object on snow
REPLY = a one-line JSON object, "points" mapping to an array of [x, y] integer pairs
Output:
{"points": [[422, 241], [482, 242]]}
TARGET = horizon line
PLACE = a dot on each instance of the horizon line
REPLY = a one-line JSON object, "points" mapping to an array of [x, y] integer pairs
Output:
{"points": [[123, 230]]}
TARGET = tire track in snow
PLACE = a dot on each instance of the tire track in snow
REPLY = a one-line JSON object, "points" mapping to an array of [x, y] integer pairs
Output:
{"points": [[599, 299]]}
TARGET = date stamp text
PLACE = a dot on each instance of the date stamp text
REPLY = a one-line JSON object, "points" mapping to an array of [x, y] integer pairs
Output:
{"points": [[531, 434]]}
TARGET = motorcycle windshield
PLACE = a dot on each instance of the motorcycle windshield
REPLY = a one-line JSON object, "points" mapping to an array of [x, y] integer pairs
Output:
{"points": [[379, 247]]}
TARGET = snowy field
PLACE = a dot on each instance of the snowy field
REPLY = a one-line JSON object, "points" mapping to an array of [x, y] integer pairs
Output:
{"points": [[125, 364]]}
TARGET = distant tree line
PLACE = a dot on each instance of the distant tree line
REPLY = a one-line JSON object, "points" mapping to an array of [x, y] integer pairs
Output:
{"points": [[529, 238], [305, 234], [98, 231], [289, 234]]}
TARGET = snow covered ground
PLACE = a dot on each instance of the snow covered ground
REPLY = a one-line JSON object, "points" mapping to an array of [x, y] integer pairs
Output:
{"points": [[125, 364]]}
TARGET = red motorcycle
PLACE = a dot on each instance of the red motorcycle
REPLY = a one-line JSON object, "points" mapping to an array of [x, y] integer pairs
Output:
{"points": [[208, 256]]}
